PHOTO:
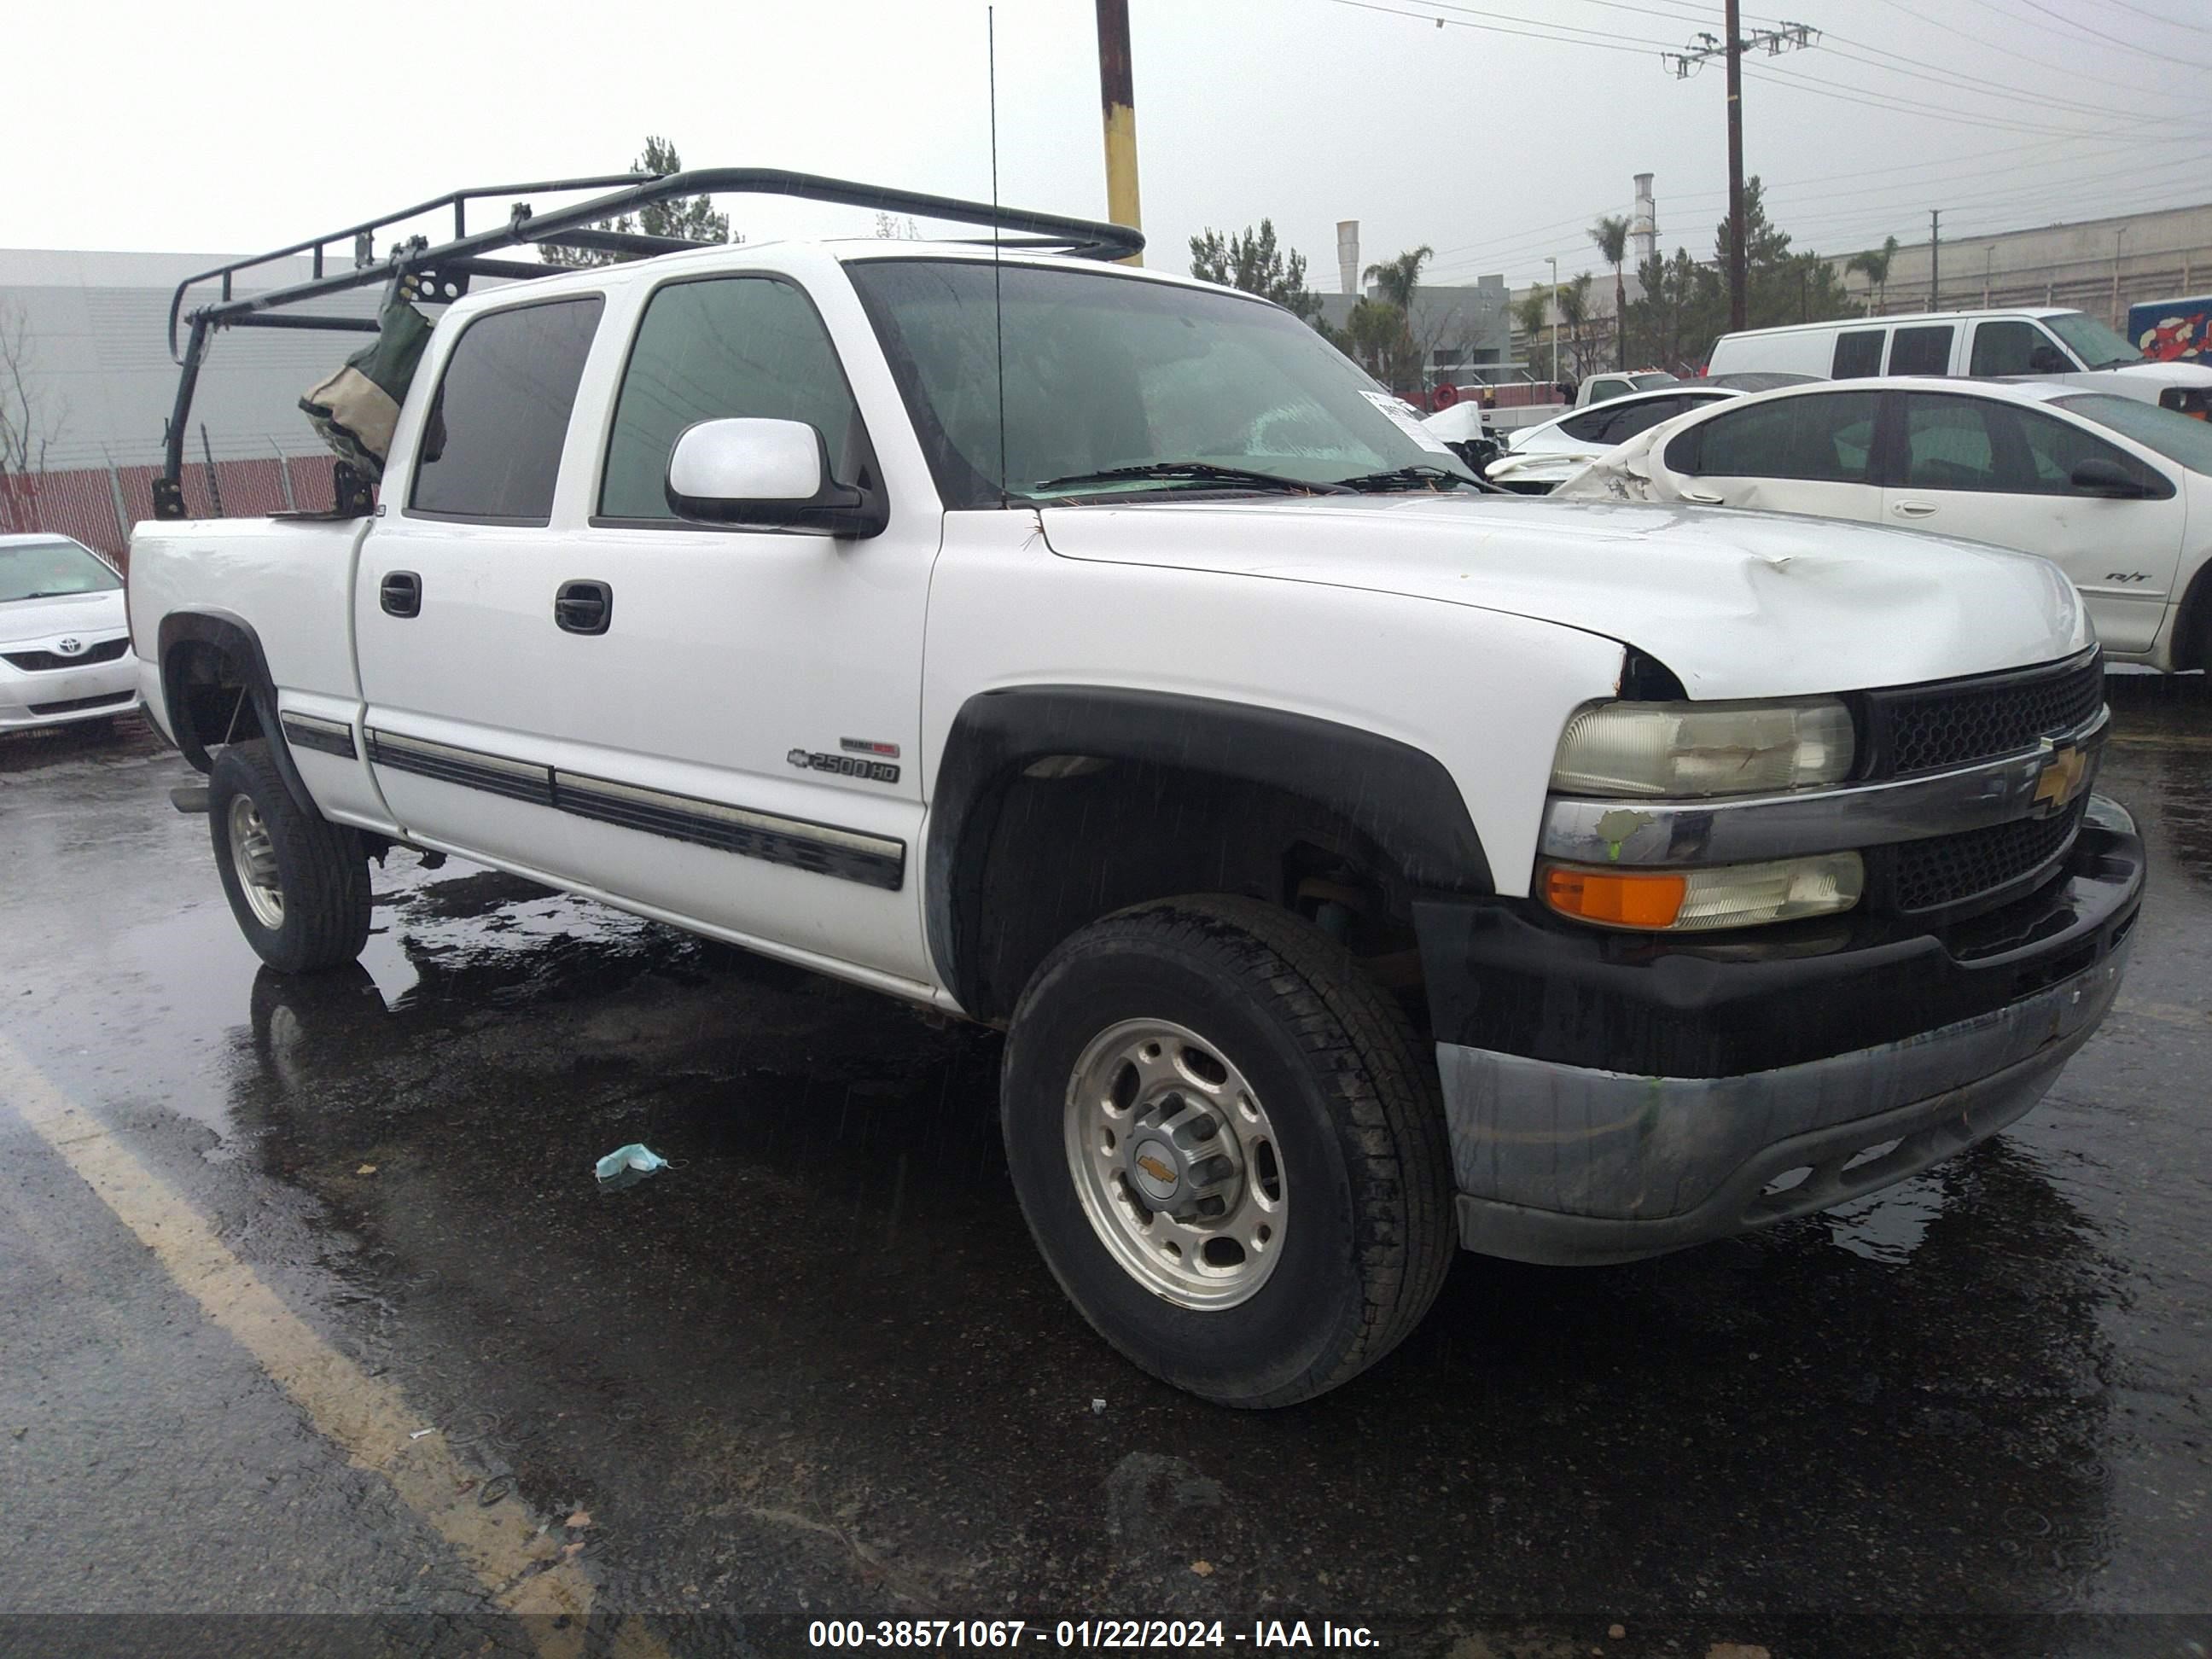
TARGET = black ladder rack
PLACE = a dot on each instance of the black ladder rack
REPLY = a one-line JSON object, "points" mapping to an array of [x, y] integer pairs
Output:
{"points": [[447, 267]]}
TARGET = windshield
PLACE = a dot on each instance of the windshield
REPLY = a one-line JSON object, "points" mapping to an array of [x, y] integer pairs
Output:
{"points": [[48, 570], [2177, 437], [2091, 341], [1105, 371]]}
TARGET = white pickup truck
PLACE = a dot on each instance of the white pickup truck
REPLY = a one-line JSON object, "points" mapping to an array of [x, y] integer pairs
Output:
{"points": [[1360, 863]]}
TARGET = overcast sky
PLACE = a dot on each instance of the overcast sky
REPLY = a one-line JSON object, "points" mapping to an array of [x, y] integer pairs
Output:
{"points": [[231, 127]]}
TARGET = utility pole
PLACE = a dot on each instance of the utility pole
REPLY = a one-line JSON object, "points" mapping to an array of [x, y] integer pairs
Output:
{"points": [[1553, 260], [1934, 258], [1782, 38], [1117, 99]]}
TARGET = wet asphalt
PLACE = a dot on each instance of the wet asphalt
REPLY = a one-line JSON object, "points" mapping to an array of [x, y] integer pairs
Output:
{"points": [[814, 1369]]}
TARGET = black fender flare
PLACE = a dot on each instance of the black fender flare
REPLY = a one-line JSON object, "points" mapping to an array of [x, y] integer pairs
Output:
{"points": [[235, 636], [1401, 797]]}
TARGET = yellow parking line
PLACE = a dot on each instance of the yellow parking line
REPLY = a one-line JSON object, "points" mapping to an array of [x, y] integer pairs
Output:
{"points": [[505, 1544]]}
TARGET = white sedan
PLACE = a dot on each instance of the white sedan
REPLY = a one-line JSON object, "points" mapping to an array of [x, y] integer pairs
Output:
{"points": [[64, 641], [2116, 491], [1537, 457]]}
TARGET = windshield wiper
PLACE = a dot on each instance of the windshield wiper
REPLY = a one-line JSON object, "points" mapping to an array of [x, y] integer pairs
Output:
{"points": [[1399, 478], [1195, 471]]}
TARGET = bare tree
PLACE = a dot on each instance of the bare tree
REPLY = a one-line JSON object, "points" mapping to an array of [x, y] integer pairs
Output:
{"points": [[29, 421]]}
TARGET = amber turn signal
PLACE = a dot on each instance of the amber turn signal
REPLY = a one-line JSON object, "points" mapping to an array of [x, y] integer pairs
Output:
{"points": [[1627, 899]]}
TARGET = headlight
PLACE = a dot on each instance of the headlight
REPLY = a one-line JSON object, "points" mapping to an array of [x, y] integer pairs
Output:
{"points": [[1678, 749], [1697, 901]]}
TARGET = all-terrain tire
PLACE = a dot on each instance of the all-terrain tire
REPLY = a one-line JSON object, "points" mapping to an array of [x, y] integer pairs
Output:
{"points": [[321, 869], [1354, 1118]]}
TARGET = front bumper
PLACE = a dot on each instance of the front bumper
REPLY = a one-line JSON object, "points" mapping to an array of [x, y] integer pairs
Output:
{"points": [[29, 701], [1611, 1097]]}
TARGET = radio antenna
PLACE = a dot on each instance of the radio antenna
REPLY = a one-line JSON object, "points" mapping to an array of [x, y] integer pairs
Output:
{"points": [[998, 303]]}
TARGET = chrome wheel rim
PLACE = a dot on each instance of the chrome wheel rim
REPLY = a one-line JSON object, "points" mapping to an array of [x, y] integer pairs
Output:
{"points": [[1176, 1164], [253, 856]]}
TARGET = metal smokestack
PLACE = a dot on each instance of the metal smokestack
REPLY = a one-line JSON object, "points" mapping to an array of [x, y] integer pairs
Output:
{"points": [[1347, 254], [1643, 229]]}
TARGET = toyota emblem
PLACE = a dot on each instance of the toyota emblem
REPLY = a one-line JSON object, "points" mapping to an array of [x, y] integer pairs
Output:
{"points": [[68, 647]]}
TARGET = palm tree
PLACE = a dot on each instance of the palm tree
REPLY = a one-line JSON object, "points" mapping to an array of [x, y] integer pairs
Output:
{"points": [[1532, 311], [1397, 278], [1873, 265], [1573, 298], [1611, 236]]}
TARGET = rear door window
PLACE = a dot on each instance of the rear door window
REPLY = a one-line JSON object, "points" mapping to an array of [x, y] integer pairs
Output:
{"points": [[1587, 428], [1920, 350], [1643, 416], [1828, 437], [1858, 353], [491, 443], [2055, 447]]}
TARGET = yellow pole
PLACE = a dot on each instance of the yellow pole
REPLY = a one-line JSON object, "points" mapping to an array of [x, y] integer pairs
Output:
{"points": [[1117, 100]]}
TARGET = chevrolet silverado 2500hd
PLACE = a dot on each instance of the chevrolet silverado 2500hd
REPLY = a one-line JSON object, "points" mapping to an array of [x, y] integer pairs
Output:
{"points": [[1361, 863]]}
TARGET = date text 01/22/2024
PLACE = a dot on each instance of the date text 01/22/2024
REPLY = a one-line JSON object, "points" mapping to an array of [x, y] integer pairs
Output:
{"points": [[1262, 1636]]}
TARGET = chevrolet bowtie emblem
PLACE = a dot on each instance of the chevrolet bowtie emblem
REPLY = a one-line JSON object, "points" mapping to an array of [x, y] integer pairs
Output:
{"points": [[2063, 775]]}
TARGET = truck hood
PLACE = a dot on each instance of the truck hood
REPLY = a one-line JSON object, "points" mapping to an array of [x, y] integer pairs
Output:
{"points": [[1739, 604], [2171, 373], [39, 621]]}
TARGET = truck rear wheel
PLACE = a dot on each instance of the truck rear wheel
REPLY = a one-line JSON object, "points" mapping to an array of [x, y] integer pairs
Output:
{"points": [[1228, 1148], [297, 882]]}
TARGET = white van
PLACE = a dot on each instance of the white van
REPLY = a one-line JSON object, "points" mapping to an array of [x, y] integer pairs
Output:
{"points": [[2041, 341]]}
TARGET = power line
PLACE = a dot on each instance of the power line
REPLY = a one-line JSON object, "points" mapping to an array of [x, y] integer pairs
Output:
{"points": [[2095, 34], [1959, 82], [1932, 111], [2171, 22], [1493, 28], [1986, 44]]}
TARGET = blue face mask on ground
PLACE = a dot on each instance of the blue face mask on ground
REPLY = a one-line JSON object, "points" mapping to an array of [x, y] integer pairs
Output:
{"points": [[630, 1162]]}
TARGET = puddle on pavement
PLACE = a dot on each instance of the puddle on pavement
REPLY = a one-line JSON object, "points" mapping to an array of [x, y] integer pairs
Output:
{"points": [[1888, 1226]]}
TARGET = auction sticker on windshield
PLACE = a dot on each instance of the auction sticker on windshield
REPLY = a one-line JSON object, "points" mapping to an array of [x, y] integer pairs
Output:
{"points": [[1407, 420]]}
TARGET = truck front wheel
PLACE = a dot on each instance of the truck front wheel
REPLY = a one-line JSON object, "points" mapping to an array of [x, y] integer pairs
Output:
{"points": [[1228, 1148], [297, 882]]}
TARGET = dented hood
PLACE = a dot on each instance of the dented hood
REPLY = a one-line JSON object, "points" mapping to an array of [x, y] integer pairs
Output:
{"points": [[1738, 604]]}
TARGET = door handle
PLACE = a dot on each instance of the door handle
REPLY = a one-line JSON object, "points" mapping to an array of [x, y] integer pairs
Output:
{"points": [[584, 607], [400, 593], [1703, 497], [1913, 509]]}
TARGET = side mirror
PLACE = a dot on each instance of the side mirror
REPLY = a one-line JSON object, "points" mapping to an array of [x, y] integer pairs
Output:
{"points": [[767, 474], [2048, 360], [2099, 476]]}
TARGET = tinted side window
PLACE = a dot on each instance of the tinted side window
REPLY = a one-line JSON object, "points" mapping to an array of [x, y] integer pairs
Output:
{"points": [[491, 445], [1642, 417], [1828, 438], [710, 351], [2003, 349], [1858, 353], [1587, 428], [2055, 449], [1921, 351]]}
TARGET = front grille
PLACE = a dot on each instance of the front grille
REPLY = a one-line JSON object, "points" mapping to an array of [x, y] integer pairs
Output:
{"points": [[1957, 725], [1948, 869], [40, 662], [75, 703]]}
